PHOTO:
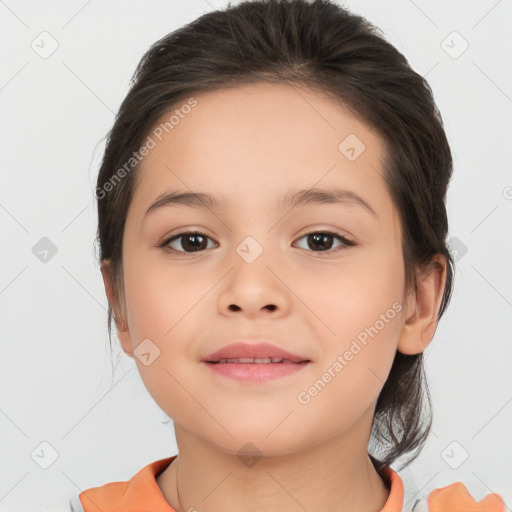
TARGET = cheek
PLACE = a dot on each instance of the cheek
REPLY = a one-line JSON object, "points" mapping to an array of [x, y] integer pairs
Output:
{"points": [[360, 305], [159, 298], [163, 307], [355, 294]]}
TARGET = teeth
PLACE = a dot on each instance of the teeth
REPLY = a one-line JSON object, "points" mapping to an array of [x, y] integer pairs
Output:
{"points": [[260, 360]]}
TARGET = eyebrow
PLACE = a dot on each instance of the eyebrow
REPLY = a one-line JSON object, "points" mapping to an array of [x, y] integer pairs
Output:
{"points": [[293, 199]]}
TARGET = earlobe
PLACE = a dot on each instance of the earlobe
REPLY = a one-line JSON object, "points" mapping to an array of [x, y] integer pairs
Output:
{"points": [[121, 324], [422, 309]]}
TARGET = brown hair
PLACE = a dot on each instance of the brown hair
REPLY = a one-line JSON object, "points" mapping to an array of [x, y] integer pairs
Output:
{"points": [[323, 46]]}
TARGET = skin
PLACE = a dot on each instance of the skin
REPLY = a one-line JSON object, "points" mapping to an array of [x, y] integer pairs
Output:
{"points": [[254, 144]]}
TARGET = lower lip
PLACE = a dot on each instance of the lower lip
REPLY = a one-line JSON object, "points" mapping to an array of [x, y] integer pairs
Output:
{"points": [[254, 372]]}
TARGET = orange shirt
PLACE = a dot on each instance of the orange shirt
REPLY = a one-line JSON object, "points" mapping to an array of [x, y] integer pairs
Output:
{"points": [[142, 494]]}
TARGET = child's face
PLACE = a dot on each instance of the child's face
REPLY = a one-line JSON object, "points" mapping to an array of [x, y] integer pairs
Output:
{"points": [[252, 146]]}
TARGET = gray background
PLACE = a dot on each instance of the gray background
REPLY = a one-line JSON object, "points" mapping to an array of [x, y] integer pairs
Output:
{"points": [[56, 381]]}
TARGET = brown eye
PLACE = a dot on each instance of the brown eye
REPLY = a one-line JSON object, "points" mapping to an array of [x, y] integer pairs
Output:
{"points": [[322, 241], [190, 242]]}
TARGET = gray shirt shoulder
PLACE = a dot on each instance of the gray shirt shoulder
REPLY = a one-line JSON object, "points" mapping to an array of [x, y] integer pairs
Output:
{"points": [[75, 505]]}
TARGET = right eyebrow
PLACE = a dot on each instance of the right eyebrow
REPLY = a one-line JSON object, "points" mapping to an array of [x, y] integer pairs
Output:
{"points": [[191, 199]]}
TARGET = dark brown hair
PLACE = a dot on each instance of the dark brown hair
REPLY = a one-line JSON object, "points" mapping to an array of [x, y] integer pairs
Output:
{"points": [[323, 46]]}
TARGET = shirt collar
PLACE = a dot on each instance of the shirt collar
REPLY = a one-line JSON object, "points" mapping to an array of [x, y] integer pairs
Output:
{"points": [[143, 491]]}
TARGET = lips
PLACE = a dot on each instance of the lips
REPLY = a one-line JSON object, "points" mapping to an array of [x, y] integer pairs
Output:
{"points": [[257, 360], [260, 353]]}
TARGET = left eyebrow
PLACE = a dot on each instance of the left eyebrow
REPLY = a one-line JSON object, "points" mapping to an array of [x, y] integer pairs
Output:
{"points": [[293, 199], [313, 196]]}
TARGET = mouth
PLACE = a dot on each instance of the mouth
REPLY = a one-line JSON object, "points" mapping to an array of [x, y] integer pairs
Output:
{"points": [[257, 360], [250, 353], [254, 362], [258, 370]]}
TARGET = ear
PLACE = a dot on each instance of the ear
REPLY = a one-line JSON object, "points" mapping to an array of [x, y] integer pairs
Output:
{"points": [[422, 308], [123, 332]]}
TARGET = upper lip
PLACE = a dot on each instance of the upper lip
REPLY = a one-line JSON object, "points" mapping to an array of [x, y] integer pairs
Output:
{"points": [[253, 351]]}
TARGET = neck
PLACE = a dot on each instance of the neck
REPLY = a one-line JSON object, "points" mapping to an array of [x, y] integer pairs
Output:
{"points": [[333, 476]]}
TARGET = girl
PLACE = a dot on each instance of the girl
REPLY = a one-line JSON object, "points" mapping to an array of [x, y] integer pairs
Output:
{"points": [[272, 234]]}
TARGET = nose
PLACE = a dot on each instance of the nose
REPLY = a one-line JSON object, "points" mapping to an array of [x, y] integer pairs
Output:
{"points": [[254, 290]]}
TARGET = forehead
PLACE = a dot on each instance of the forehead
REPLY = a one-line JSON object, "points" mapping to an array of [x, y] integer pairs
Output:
{"points": [[257, 142]]}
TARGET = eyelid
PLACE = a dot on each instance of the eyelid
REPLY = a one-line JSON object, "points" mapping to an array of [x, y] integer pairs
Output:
{"points": [[331, 230], [170, 238], [347, 242]]}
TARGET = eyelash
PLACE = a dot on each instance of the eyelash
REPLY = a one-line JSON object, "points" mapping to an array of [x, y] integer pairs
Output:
{"points": [[337, 236]]}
